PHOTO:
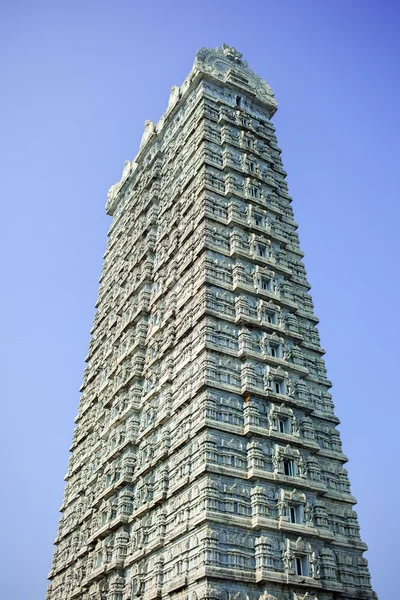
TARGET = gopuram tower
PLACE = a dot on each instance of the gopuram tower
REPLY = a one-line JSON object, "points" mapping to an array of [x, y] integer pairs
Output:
{"points": [[206, 463]]}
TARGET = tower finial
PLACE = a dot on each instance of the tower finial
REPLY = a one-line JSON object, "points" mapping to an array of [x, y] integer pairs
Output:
{"points": [[232, 53]]}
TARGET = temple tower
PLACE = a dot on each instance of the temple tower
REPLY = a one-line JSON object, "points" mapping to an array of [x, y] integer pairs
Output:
{"points": [[206, 463]]}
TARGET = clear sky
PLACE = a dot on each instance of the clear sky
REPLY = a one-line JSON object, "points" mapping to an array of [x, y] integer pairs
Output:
{"points": [[78, 80]]}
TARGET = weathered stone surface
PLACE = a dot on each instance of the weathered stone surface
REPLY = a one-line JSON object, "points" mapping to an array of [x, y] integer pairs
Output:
{"points": [[206, 463]]}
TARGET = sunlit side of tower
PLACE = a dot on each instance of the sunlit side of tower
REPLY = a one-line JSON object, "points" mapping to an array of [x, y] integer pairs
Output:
{"points": [[206, 463]]}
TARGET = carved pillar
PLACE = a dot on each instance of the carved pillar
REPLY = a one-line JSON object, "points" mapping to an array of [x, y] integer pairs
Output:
{"points": [[251, 415], [328, 564]]}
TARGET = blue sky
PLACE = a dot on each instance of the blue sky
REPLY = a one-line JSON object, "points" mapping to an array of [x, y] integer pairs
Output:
{"points": [[78, 81]]}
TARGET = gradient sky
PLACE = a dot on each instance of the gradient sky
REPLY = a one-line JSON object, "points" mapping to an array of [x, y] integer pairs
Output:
{"points": [[78, 80]]}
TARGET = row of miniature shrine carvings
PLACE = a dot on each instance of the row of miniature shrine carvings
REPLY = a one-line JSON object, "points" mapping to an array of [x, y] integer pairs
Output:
{"points": [[265, 368], [174, 198], [227, 548], [223, 303], [161, 353], [261, 139], [251, 506], [235, 454], [286, 463], [270, 552], [257, 457], [161, 190], [198, 105], [266, 284], [225, 406], [222, 148], [217, 369], [146, 248], [261, 279], [145, 537], [264, 304], [262, 283], [116, 423], [226, 271], [177, 154], [173, 395], [110, 588], [160, 332], [236, 494], [254, 415], [116, 587], [132, 338], [146, 170], [237, 213], [226, 240]]}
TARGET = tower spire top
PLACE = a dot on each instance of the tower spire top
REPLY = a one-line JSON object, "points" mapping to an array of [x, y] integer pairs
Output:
{"points": [[225, 63], [231, 52]]}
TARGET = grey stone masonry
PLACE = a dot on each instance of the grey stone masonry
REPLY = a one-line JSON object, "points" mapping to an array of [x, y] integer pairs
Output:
{"points": [[206, 463]]}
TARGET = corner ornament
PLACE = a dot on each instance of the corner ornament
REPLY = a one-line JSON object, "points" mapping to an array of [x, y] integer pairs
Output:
{"points": [[232, 53]]}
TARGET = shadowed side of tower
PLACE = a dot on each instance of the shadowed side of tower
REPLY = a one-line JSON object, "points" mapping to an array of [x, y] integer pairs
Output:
{"points": [[206, 463]]}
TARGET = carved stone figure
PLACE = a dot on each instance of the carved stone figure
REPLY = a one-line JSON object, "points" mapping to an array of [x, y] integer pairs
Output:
{"points": [[308, 513], [314, 565]]}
